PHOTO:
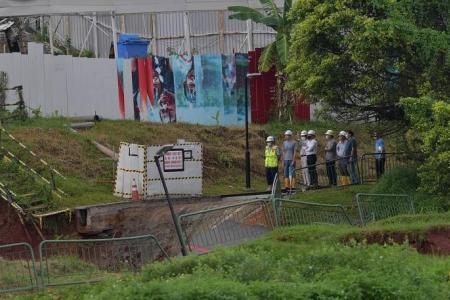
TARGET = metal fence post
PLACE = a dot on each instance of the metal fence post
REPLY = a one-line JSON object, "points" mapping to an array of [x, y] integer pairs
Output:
{"points": [[17, 261], [172, 211]]}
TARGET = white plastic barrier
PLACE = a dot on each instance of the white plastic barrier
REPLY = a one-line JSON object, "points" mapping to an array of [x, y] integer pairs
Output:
{"points": [[131, 167], [182, 169]]}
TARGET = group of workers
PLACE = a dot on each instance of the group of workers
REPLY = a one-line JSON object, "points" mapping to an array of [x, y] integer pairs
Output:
{"points": [[344, 152]]}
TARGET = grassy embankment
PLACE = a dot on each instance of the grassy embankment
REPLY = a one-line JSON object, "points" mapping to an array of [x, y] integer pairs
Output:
{"points": [[304, 262], [91, 175]]}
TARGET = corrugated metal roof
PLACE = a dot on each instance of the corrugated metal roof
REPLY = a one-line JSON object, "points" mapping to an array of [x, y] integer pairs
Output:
{"points": [[48, 7]]}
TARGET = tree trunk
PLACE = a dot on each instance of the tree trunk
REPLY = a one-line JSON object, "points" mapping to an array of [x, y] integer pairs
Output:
{"points": [[283, 99]]}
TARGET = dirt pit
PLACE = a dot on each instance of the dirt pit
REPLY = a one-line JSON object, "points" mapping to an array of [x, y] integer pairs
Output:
{"points": [[434, 241]]}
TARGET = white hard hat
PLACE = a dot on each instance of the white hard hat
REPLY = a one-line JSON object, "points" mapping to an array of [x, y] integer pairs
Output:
{"points": [[329, 132], [311, 132], [270, 139], [304, 133], [343, 133], [288, 132]]}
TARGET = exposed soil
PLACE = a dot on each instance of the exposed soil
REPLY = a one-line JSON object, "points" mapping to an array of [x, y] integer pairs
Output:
{"points": [[434, 241], [14, 229], [140, 218]]}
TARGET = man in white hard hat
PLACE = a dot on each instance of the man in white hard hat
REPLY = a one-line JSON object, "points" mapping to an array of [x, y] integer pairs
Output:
{"points": [[304, 163], [272, 155], [289, 149], [344, 178], [311, 157], [330, 157]]}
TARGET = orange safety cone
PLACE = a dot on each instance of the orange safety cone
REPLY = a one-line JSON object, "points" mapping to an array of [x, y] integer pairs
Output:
{"points": [[134, 191]]}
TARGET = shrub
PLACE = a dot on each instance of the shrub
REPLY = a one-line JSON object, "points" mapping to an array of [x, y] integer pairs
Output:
{"points": [[397, 181]]}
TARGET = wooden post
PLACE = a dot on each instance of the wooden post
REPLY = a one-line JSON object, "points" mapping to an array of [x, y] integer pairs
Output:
{"points": [[122, 24], [50, 36], [154, 34], [114, 33], [222, 31], [67, 32], [187, 34], [249, 35]]}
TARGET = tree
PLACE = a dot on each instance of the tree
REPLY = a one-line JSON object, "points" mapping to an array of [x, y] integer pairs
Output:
{"points": [[359, 58], [276, 54], [430, 119]]}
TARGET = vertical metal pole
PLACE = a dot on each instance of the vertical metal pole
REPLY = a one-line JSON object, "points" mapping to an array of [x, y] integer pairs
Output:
{"points": [[172, 211], [247, 148], [94, 21]]}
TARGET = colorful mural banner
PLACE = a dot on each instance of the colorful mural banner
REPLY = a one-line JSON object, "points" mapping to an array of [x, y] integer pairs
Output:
{"points": [[229, 90], [241, 77], [200, 89]]}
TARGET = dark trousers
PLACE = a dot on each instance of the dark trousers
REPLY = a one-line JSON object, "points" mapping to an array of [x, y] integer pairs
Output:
{"points": [[331, 172], [379, 166], [270, 174], [311, 161]]}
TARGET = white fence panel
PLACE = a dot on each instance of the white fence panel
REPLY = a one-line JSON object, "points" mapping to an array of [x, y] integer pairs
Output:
{"points": [[66, 85]]}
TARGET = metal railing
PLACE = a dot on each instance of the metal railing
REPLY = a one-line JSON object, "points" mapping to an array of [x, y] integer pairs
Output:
{"points": [[374, 207], [373, 165], [67, 262], [338, 172], [225, 226], [17, 268], [276, 188], [290, 213]]}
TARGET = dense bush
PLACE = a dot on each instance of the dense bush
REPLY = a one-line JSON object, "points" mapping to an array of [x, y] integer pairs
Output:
{"points": [[430, 120], [405, 180], [400, 180]]}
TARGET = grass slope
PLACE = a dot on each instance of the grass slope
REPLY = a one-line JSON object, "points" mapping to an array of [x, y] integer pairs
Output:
{"points": [[304, 262], [91, 175]]}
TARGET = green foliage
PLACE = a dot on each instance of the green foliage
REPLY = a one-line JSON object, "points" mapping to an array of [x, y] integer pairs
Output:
{"points": [[404, 180], [276, 53], [27, 187], [216, 117], [430, 120], [3, 86], [305, 262], [397, 181], [225, 159], [359, 58]]}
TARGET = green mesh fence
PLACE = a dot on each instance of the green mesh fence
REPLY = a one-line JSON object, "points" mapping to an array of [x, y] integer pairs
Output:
{"points": [[373, 207], [65, 262], [290, 213], [17, 268], [226, 226]]}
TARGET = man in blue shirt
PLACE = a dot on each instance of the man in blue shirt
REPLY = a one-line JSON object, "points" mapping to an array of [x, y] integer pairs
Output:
{"points": [[380, 156]]}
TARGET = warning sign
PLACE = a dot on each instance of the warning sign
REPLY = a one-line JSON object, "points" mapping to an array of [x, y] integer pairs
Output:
{"points": [[174, 161]]}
